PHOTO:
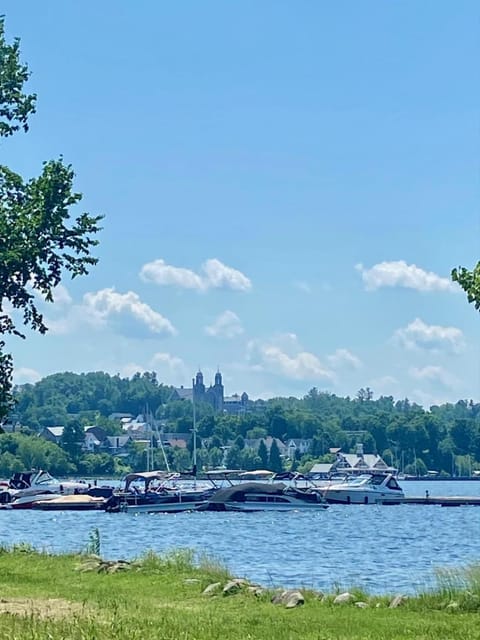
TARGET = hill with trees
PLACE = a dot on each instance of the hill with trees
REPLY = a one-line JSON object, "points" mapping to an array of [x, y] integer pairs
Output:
{"points": [[445, 438]]}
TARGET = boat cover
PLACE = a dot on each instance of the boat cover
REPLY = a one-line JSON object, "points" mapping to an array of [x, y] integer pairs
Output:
{"points": [[237, 492]]}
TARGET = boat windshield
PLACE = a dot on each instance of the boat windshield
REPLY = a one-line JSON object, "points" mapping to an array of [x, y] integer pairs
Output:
{"points": [[355, 482], [45, 478]]}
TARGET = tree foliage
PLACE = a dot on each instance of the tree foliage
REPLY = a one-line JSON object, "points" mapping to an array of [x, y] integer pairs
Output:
{"points": [[470, 283], [15, 106], [274, 460], [39, 240]]}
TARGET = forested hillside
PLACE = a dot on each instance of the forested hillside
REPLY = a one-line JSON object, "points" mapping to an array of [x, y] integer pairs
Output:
{"points": [[445, 438]]}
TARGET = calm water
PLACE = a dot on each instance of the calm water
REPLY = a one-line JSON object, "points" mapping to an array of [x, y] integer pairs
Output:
{"points": [[378, 548]]}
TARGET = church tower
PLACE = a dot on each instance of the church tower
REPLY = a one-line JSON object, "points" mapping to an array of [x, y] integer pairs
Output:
{"points": [[219, 391], [198, 387]]}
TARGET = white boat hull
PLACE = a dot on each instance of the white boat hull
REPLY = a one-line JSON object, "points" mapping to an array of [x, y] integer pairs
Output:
{"points": [[344, 496]]}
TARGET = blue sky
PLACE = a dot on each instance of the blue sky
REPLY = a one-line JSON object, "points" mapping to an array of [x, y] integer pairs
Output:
{"points": [[286, 187]]}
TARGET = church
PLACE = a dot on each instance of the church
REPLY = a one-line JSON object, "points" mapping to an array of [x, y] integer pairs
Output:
{"points": [[214, 395]]}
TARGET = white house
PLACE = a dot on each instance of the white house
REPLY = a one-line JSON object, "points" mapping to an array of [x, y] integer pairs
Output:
{"points": [[297, 444], [352, 463]]}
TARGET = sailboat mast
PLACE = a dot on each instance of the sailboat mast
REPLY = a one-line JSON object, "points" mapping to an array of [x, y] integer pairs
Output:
{"points": [[194, 440]]}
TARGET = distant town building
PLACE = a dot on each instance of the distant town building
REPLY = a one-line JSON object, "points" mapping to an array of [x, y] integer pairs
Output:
{"points": [[52, 434], [254, 443], [355, 463], [236, 404], [298, 446], [213, 395]]}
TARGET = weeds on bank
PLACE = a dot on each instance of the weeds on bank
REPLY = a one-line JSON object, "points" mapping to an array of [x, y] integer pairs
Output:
{"points": [[161, 597]]}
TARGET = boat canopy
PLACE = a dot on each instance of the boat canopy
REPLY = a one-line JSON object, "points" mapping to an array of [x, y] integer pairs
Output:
{"points": [[237, 492], [148, 476]]}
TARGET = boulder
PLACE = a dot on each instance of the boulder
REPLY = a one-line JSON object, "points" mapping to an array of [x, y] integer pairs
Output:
{"points": [[234, 586], [398, 601], [211, 589], [344, 598], [361, 605], [290, 598], [294, 600], [256, 590]]}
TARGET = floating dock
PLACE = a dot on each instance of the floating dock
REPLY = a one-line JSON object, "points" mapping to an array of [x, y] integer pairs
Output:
{"points": [[445, 501]]}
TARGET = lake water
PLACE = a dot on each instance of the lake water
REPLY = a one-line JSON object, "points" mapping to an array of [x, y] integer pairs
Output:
{"points": [[378, 548]]}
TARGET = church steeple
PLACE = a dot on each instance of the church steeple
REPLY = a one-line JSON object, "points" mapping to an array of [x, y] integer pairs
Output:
{"points": [[198, 387], [218, 378]]}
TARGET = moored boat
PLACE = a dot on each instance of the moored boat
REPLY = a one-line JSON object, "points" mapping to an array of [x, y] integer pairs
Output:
{"points": [[26, 488], [372, 488], [265, 496], [79, 502], [161, 492]]}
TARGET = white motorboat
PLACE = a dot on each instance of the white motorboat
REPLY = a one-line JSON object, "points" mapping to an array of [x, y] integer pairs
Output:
{"points": [[372, 488], [262, 496], [28, 487]]}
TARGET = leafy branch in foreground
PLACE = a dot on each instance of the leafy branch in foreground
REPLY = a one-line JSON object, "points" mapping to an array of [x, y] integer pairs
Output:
{"points": [[470, 283], [38, 240], [15, 106]]}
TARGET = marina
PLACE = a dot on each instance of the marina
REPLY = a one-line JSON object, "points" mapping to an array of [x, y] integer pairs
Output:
{"points": [[371, 546], [219, 490]]}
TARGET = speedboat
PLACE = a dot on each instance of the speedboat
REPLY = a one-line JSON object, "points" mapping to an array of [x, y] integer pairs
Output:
{"points": [[162, 493], [265, 496], [26, 488], [371, 488]]}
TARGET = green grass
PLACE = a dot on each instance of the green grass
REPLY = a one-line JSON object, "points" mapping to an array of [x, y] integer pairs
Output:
{"points": [[45, 597]]}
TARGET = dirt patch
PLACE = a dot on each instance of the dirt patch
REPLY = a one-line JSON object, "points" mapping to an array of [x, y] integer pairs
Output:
{"points": [[41, 608]]}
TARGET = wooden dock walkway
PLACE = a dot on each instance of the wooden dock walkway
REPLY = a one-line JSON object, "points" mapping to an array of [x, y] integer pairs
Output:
{"points": [[444, 501]]}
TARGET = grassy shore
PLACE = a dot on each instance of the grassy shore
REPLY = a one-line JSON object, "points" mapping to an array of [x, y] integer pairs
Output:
{"points": [[71, 597]]}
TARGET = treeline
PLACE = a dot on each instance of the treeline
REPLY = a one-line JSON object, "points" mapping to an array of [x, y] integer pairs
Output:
{"points": [[56, 398], [445, 438]]}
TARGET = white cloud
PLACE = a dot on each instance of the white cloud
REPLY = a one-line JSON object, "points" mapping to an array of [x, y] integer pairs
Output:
{"points": [[284, 355], [23, 375], [130, 369], [418, 335], [344, 358], [303, 366], [108, 305], [400, 274], [428, 400], [433, 374], [170, 369], [214, 275], [219, 276], [61, 296], [384, 386], [302, 286], [227, 325], [164, 274]]}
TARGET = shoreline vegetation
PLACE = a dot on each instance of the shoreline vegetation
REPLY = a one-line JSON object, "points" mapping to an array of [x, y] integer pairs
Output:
{"points": [[181, 596]]}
